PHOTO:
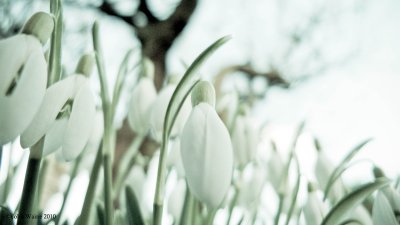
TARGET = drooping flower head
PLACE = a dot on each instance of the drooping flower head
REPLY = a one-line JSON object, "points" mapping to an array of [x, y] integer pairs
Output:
{"points": [[142, 98], [206, 149], [23, 76], [65, 118]]}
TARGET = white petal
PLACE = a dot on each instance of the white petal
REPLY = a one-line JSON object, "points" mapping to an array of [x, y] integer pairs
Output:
{"points": [[275, 168], [54, 137], [14, 52], [314, 209], [54, 99], [176, 200], [382, 213], [158, 110], [80, 123], [207, 155], [323, 170], [18, 109], [142, 98], [244, 141]]}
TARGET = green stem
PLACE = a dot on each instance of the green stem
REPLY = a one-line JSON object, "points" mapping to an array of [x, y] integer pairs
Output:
{"points": [[29, 190], [67, 191], [89, 197], [126, 163], [159, 195], [211, 217], [108, 189], [41, 180], [280, 207]]}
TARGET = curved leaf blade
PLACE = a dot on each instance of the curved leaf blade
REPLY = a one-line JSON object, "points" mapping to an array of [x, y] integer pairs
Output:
{"points": [[343, 166], [344, 206], [133, 210]]}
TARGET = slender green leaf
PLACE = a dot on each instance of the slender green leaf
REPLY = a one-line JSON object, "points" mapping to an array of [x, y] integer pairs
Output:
{"points": [[295, 191], [6, 216], [184, 85], [344, 206], [343, 166], [351, 221], [55, 43], [121, 77], [133, 209], [101, 218]]}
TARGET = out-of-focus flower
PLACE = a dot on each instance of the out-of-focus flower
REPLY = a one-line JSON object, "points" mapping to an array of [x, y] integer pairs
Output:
{"points": [[244, 141], [251, 186], [227, 107], [65, 118], [143, 96], [176, 200], [314, 209], [23, 76], [275, 168], [382, 212], [174, 158], [159, 109], [323, 170], [206, 149]]}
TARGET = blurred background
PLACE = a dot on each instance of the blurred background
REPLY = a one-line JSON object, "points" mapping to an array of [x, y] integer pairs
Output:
{"points": [[333, 64]]}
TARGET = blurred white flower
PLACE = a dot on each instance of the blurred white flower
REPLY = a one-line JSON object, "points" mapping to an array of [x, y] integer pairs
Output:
{"points": [[251, 186], [23, 76], [314, 210], [143, 96], [382, 212], [65, 118], [323, 170], [207, 153], [159, 109], [244, 141], [275, 168], [176, 200], [174, 158], [227, 107]]}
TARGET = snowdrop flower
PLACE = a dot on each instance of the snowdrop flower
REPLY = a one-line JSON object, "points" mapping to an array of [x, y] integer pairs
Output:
{"points": [[252, 185], [23, 76], [390, 193], [227, 107], [323, 170], [177, 199], [382, 212], [159, 109], [143, 96], [275, 168], [65, 118], [314, 210], [174, 158], [206, 149], [244, 141]]}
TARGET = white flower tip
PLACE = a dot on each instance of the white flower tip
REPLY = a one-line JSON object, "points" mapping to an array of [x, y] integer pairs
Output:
{"points": [[40, 25], [203, 92], [85, 65]]}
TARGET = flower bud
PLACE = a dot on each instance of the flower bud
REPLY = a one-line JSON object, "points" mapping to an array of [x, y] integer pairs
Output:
{"points": [[23, 82], [85, 65], [207, 155], [382, 212], [40, 25], [251, 186], [275, 168], [65, 118], [158, 110], [244, 140], [176, 200], [142, 98], [323, 170], [203, 92], [314, 209]]}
